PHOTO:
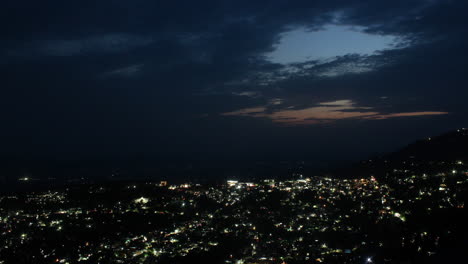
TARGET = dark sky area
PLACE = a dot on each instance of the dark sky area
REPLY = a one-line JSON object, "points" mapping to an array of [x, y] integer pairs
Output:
{"points": [[310, 80]]}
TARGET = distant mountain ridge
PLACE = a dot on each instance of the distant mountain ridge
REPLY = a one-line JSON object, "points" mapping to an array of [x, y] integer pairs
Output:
{"points": [[448, 146], [429, 154]]}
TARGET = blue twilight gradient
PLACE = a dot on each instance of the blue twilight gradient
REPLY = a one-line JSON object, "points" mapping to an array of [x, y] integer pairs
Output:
{"points": [[300, 45]]}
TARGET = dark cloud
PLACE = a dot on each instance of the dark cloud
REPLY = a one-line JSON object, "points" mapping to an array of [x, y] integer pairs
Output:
{"points": [[156, 77]]}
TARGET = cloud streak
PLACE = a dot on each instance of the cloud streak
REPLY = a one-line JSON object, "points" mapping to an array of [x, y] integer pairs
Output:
{"points": [[324, 112], [107, 43], [128, 71]]}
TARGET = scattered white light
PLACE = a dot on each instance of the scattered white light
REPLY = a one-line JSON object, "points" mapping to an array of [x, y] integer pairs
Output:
{"points": [[142, 200]]}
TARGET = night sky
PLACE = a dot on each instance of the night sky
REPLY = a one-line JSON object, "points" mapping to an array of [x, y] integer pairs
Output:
{"points": [[309, 80]]}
